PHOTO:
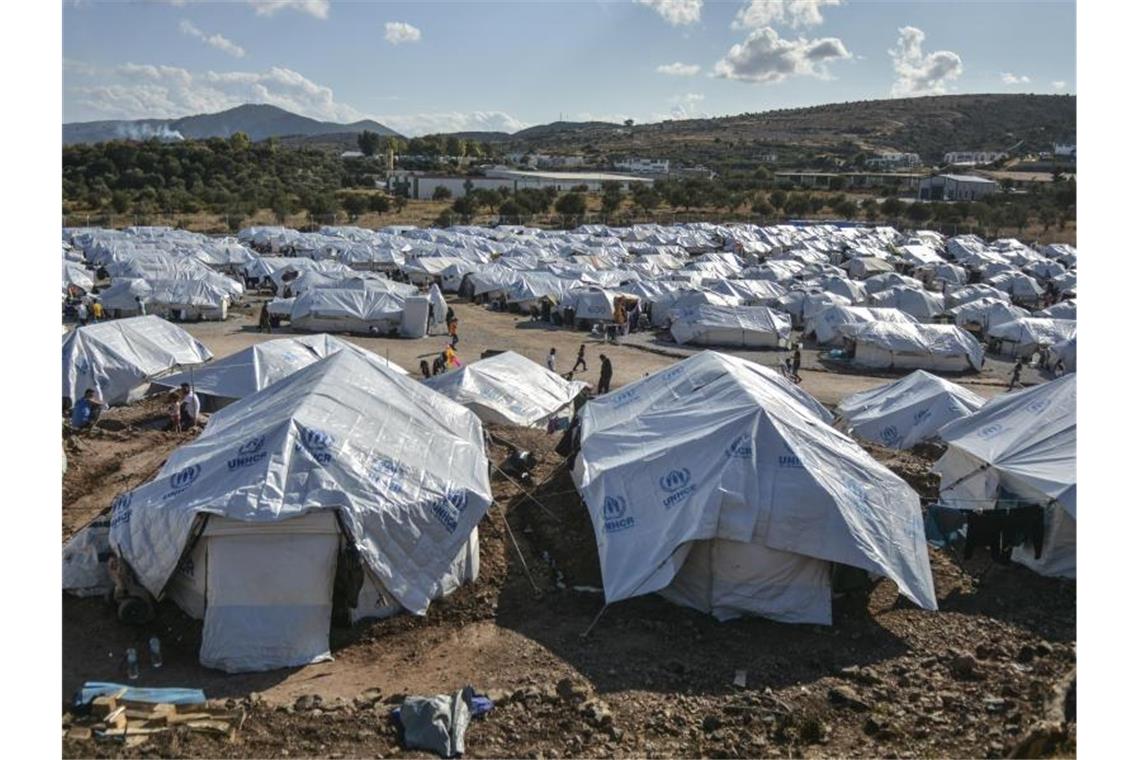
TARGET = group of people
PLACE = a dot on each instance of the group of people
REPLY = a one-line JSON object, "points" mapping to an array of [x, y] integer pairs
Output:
{"points": [[182, 408], [85, 314], [604, 378], [447, 359]]}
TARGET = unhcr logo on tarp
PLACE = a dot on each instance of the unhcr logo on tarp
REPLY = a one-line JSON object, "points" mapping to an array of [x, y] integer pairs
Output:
{"points": [[740, 448], [1039, 405], [121, 509], [386, 472], [318, 443], [182, 480], [989, 431], [676, 484], [921, 415], [248, 454], [890, 435], [448, 508], [613, 514], [623, 397]]}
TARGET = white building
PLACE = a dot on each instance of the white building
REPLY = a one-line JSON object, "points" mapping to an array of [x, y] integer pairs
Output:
{"points": [[955, 187], [972, 157], [544, 161], [643, 165], [767, 158], [892, 159], [422, 186], [1068, 150]]}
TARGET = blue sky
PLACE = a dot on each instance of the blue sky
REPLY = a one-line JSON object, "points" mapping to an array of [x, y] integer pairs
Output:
{"points": [[441, 66]]}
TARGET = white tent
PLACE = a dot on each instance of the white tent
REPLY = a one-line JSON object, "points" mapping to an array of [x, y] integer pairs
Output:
{"points": [[862, 267], [120, 358], [895, 345], [76, 275], [737, 326], [982, 313], [342, 455], [917, 302], [910, 410], [1061, 310], [826, 323], [248, 371], [343, 310], [723, 486], [1022, 448], [1064, 351], [508, 388], [1025, 335]]}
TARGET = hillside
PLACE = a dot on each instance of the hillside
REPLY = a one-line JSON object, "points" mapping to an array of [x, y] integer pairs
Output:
{"points": [[257, 121], [928, 126]]}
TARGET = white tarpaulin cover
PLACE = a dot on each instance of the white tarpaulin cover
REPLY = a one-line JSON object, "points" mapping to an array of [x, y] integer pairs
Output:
{"points": [[1027, 334], [914, 346], [1025, 444], [901, 414], [507, 388], [117, 358], [404, 468], [246, 372], [1025, 441], [825, 324], [743, 326], [721, 451]]}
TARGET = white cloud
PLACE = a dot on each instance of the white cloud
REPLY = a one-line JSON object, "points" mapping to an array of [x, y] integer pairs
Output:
{"points": [[1007, 78], [413, 125], [213, 40], [676, 12], [795, 13], [1059, 84], [684, 107], [397, 32], [315, 8], [138, 91], [918, 73], [679, 69], [766, 57]]}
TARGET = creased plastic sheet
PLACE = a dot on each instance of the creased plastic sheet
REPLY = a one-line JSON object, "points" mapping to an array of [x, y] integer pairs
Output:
{"points": [[826, 323], [1027, 438], [246, 372], [715, 447], [910, 410], [116, 357], [405, 468], [744, 326], [507, 388], [914, 346]]}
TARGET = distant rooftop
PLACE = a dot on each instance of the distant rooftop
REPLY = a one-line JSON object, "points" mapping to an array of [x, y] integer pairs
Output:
{"points": [[968, 178]]}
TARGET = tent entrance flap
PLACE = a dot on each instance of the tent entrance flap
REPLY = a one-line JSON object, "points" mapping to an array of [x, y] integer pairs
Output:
{"points": [[269, 592]]}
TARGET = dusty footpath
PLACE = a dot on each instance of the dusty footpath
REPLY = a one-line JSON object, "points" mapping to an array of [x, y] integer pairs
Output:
{"points": [[984, 676]]}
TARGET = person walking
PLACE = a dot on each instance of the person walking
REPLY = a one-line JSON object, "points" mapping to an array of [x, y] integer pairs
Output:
{"points": [[606, 375], [189, 408], [1015, 379], [81, 314], [264, 324], [581, 359], [796, 365], [550, 361], [97, 311], [453, 331]]}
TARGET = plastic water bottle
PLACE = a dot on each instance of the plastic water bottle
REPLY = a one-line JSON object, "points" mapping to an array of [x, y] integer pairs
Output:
{"points": [[132, 663], [155, 652]]}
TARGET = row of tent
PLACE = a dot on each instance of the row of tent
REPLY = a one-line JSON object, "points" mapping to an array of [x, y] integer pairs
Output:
{"points": [[736, 487], [752, 265]]}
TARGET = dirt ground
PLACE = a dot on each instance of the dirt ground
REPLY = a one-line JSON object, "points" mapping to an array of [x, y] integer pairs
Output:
{"points": [[651, 678]]}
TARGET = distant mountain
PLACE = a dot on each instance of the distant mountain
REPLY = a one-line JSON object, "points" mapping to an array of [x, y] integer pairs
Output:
{"points": [[257, 121]]}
